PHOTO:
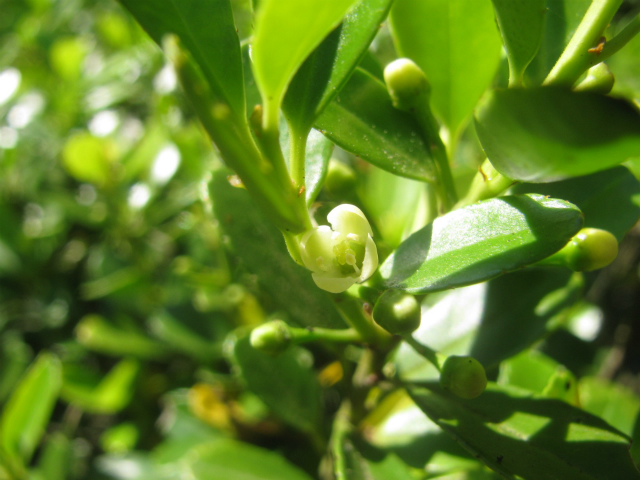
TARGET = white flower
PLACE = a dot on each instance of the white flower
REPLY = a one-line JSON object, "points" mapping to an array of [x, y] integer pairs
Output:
{"points": [[342, 254]]}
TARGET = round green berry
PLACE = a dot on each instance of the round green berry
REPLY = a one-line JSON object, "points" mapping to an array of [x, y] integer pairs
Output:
{"points": [[407, 84], [272, 338], [591, 249], [463, 376], [397, 312]]}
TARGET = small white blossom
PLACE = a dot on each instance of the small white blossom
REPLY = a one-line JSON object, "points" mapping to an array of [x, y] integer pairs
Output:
{"points": [[342, 254]]}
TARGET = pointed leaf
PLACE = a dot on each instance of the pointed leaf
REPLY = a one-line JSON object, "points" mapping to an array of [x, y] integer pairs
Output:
{"points": [[26, 413], [519, 434], [363, 121], [258, 243], [548, 134], [206, 28], [458, 46], [470, 245], [325, 72], [521, 25], [285, 34], [597, 195]]}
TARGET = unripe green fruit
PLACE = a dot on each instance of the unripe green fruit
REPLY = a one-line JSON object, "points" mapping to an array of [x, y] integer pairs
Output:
{"points": [[463, 376], [407, 84], [591, 249], [397, 312], [599, 79], [272, 338]]}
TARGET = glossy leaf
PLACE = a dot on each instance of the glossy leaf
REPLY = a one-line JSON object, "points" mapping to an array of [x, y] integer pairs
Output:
{"points": [[216, 50], [491, 321], [597, 195], [458, 46], [318, 151], [238, 460], [515, 433], [363, 121], [549, 134], [283, 383], [26, 414], [285, 35], [328, 68], [521, 25], [467, 246], [260, 245]]}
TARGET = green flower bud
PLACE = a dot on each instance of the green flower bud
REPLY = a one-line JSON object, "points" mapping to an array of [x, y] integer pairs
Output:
{"points": [[397, 312], [599, 79], [590, 249], [407, 84], [343, 254], [272, 338], [463, 376]]}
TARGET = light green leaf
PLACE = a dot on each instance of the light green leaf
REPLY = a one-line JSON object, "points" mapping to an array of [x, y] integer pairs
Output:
{"points": [[285, 34], [521, 25], [519, 434], [230, 459], [549, 134], [206, 28], [328, 68], [283, 383], [363, 121], [260, 245], [26, 414], [597, 196], [468, 246], [616, 404], [457, 45]]}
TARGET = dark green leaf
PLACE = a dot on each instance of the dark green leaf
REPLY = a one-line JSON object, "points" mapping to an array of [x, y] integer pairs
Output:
{"points": [[229, 459], [515, 433], [283, 383], [469, 245], [521, 25], [26, 413], [207, 30], [458, 46], [363, 121], [549, 134], [598, 196], [328, 68], [260, 245]]}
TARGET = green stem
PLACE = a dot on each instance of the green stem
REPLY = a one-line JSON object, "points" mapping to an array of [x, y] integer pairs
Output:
{"points": [[434, 357], [353, 313], [621, 39], [341, 428], [297, 157], [488, 183], [305, 335], [577, 57]]}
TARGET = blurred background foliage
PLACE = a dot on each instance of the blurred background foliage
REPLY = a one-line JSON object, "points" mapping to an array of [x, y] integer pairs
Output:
{"points": [[118, 289]]}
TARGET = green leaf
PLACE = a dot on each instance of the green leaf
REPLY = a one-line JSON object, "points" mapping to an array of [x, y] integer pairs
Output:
{"points": [[598, 195], [363, 121], [230, 459], [365, 462], [106, 395], [530, 370], [285, 35], [618, 405], [55, 460], [521, 25], [215, 49], [515, 433], [287, 386], [562, 18], [26, 413], [491, 321], [328, 68], [259, 244], [318, 151], [470, 245], [457, 45], [549, 134]]}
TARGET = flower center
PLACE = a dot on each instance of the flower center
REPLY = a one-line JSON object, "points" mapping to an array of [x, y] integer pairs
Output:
{"points": [[349, 255]]}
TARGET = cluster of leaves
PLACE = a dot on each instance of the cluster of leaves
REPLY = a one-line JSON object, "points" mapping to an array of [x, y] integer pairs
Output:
{"points": [[132, 271]]}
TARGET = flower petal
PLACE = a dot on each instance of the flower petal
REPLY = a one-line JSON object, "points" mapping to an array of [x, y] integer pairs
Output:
{"points": [[370, 262], [318, 244], [333, 284], [350, 219]]}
